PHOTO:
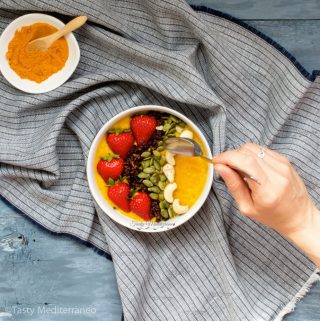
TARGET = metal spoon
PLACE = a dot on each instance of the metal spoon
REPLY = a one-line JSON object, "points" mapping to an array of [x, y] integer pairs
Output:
{"points": [[189, 147]]}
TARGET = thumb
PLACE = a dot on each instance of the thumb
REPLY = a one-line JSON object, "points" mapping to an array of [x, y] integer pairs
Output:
{"points": [[237, 187]]}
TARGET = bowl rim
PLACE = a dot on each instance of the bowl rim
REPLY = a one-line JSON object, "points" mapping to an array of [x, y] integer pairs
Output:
{"points": [[27, 85], [121, 218]]}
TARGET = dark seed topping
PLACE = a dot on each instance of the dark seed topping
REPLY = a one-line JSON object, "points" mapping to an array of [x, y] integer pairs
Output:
{"points": [[132, 163], [142, 167]]}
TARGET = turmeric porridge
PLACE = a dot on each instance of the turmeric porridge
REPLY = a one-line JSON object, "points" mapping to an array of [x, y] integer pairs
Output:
{"points": [[142, 180]]}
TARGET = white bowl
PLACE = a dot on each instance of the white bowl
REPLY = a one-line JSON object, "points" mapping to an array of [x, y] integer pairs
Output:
{"points": [[53, 81], [127, 221]]}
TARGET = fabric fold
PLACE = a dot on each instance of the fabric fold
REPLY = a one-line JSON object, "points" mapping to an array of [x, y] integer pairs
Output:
{"points": [[234, 85]]}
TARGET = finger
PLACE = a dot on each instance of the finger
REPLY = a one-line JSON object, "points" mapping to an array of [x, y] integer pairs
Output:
{"points": [[266, 162], [268, 152], [245, 162], [237, 187], [277, 155], [276, 161]]}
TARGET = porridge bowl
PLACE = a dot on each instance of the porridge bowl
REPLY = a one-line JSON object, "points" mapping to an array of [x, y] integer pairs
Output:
{"points": [[136, 181]]}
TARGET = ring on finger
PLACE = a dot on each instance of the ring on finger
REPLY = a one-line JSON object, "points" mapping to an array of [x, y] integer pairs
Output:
{"points": [[262, 152]]}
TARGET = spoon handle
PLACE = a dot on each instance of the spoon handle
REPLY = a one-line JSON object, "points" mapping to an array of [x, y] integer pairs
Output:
{"points": [[242, 173], [69, 27]]}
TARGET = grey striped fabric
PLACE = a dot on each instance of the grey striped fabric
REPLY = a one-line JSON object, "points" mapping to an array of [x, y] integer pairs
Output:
{"points": [[234, 85]]}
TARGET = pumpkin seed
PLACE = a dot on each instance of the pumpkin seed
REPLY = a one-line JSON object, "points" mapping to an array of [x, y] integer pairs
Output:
{"points": [[149, 170], [153, 196], [145, 164], [172, 130], [143, 175], [161, 197], [157, 166], [147, 183], [171, 212], [145, 154], [182, 124], [166, 127], [154, 189], [160, 148], [174, 119], [154, 179], [151, 161], [164, 213], [162, 185], [162, 177], [162, 161], [156, 153], [166, 204], [161, 205]]}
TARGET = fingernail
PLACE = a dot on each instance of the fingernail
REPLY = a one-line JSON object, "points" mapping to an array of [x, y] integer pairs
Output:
{"points": [[216, 171]]}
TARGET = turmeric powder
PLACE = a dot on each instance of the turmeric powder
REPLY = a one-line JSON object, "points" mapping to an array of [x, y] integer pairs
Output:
{"points": [[36, 65]]}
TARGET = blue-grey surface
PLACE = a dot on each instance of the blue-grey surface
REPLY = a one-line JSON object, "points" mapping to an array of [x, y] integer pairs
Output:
{"points": [[262, 9], [40, 271], [299, 37]]}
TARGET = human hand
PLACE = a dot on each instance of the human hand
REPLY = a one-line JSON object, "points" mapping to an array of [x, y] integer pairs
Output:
{"points": [[281, 200]]}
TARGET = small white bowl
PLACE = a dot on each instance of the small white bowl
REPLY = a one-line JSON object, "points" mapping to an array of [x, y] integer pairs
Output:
{"points": [[53, 81], [122, 219]]}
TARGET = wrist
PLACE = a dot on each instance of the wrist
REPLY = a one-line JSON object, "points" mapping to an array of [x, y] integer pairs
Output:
{"points": [[307, 238], [298, 222]]}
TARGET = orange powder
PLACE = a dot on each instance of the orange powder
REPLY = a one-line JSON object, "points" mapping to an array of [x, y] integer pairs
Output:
{"points": [[36, 65]]}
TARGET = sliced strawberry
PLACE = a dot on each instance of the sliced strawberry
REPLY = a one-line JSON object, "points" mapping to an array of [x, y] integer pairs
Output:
{"points": [[141, 205], [120, 141], [143, 128], [119, 195], [110, 166]]}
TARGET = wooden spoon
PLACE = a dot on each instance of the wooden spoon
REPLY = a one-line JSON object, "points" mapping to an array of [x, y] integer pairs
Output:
{"points": [[43, 43]]}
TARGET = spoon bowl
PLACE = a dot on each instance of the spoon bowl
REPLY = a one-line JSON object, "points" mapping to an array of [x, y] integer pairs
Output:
{"points": [[183, 146], [189, 147]]}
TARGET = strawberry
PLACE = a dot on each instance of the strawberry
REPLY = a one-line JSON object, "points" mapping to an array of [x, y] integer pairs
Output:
{"points": [[143, 127], [120, 141], [119, 195], [141, 205], [110, 167]]}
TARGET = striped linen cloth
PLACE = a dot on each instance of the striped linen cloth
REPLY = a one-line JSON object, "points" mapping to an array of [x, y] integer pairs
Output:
{"points": [[234, 84]]}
